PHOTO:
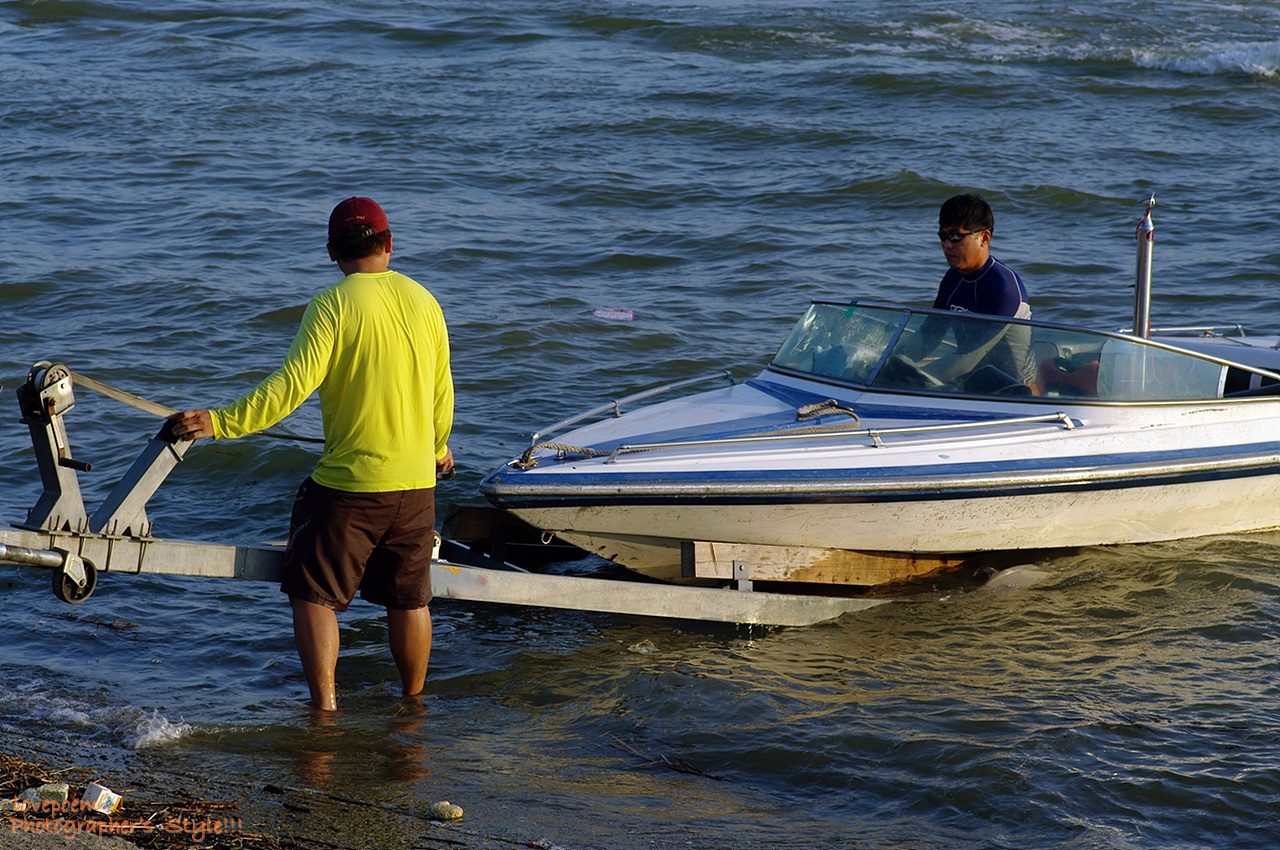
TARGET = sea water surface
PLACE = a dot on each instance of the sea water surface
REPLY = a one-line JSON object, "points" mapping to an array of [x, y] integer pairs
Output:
{"points": [[166, 173]]}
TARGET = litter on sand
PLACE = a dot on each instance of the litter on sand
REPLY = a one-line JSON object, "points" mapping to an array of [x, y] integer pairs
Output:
{"points": [[101, 799], [50, 792], [444, 810]]}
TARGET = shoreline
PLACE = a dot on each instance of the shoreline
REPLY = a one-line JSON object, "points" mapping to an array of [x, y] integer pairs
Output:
{"points": [[160, 812]]}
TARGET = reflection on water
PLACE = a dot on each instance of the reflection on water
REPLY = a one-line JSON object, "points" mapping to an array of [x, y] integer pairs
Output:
{"points": [[999, 714], [349, 751]]}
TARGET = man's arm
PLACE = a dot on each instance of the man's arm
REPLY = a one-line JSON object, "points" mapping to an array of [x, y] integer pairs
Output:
{"points": [[278, 395]]}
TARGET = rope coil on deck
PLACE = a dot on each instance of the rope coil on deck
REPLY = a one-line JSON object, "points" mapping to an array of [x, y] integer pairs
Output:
{"points": [[824, 408], [527, 461]]}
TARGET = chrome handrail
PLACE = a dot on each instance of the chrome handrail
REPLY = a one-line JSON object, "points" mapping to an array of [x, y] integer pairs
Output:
{"points": [[1217, 331], [616, 406], [1068, 424]]}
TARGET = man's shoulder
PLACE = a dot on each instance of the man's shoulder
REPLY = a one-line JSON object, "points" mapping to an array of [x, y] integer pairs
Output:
{"points": [[397, 278], [416, 290], [1003, 269], [1015, 279]]}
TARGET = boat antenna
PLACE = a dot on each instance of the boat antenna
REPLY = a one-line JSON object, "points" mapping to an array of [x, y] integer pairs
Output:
{"points": [[1145, 235]]}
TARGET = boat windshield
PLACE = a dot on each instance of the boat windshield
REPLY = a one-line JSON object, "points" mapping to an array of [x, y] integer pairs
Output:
{"points": [[968, 354]]}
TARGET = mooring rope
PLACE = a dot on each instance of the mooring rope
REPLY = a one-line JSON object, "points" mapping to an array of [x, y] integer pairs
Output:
{"points": [[160, 410], [813, 411], [145, 405], [809, 411], [823, 408], [526, 461]]}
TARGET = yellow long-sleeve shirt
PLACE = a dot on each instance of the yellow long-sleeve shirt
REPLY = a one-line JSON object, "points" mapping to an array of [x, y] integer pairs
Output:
{"points": [[377, 349]]}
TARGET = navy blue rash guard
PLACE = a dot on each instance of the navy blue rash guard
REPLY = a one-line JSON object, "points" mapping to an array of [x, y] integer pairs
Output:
{"points": [[995, 289]]}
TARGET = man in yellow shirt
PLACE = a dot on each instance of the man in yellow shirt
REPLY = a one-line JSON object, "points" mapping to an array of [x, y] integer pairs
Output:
{"points": [[375, 347]]}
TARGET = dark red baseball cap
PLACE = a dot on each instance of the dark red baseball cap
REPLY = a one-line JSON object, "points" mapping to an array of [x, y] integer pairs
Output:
{"points": [[356, 210]]}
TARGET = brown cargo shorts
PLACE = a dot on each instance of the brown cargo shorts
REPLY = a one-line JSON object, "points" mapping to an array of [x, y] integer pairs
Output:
{"points": [[377, 543]]}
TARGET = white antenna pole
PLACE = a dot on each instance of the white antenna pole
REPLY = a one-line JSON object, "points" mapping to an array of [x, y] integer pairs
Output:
{"points": [[1145, 235]]}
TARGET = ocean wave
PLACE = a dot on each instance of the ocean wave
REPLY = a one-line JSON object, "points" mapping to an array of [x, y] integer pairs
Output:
{"points": [[156, 730], [1262, 60], [52, 708]]}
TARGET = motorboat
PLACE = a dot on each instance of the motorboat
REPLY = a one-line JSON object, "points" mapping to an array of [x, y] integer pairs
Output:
{"points": [[885, 441], [854, 440]]}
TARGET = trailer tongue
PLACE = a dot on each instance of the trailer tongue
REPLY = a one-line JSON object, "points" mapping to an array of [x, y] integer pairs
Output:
{"points": [[59, 534]]}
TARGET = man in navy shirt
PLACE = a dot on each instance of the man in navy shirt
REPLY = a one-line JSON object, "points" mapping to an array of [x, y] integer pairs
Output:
{"points": [[977, 282]]}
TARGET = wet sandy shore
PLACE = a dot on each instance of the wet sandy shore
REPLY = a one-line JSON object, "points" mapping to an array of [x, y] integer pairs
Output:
{"points": [[166, 810]]}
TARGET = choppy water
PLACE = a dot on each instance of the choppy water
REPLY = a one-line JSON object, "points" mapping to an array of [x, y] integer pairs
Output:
{"points": [[167, 170]]}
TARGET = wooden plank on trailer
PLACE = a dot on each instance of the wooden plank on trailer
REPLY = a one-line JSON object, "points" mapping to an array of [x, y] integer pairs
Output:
{"points": [[706, 559]]}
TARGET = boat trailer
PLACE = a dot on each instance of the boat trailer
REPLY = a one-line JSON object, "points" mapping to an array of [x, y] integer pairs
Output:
{"points": [[60, 535]]}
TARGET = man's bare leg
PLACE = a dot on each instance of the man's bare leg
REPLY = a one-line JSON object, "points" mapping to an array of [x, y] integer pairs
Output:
{"points": [[409, 633], [315, 630]]}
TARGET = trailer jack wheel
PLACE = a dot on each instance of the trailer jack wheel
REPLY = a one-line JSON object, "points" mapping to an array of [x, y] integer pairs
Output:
{"points": [[66, 584]]}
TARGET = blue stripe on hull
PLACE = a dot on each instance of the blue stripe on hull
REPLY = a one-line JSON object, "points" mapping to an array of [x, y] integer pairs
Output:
{"points": [[514, 489]]}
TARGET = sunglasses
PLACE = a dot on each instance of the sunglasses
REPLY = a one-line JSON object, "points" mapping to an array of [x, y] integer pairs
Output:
{"points": [[953, 238]]}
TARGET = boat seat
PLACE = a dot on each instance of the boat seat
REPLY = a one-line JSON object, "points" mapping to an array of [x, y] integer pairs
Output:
{"points": [[1241, 383], [1059, 375], [1261, 390]]}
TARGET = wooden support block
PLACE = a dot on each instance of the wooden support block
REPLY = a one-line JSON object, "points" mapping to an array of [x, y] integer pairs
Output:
{"points": [[701, 559]]}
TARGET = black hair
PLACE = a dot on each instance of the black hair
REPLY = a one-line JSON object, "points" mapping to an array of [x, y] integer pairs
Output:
{"points": [[357, 241], [969, 212]]}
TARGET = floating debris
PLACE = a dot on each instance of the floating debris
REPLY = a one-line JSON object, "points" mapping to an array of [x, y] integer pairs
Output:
{"points": [[614, 314], [644, 647], [660, 760], [1016, 578]]}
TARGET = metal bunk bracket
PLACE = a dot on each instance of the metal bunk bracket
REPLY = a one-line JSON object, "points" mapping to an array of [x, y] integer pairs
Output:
{"points": [[124, 512], [44, 399]]}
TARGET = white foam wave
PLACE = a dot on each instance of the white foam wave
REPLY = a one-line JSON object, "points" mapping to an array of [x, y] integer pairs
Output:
{"points": [[52, 706], [70, 716], [1262, 60], [155, 730]]}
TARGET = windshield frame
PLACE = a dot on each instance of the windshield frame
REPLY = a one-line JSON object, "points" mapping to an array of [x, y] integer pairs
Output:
{"points": [[868, 367]]}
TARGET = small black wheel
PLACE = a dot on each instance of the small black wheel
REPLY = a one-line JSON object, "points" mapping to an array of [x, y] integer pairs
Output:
{"points": [[65, 588]]}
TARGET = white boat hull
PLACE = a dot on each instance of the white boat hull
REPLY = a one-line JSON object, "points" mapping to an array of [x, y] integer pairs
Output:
{"points": [[944, 527]]}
